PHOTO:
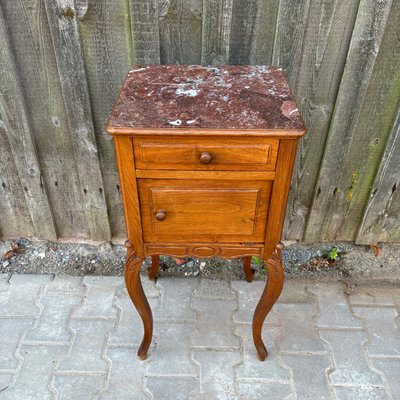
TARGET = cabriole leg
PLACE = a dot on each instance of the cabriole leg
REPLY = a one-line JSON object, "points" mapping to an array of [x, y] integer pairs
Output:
{"points": [[138, 297], [249, 272], [272, 290], [153, 270]]}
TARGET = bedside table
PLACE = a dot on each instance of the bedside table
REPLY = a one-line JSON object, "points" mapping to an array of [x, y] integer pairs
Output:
{"points": [[205, 157]]}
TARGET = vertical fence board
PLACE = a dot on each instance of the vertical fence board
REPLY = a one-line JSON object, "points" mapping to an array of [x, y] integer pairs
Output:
{"points": [[145, 32], [311, 45], [354, 143], [253, 31], [381, 220], [14, 214], [64, 32], [105, 33], [180, 31], [13, 115], [32, 47], [217, 17]]}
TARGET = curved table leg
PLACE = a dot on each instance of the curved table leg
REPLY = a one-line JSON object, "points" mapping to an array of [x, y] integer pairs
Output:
{"points": [[249, 272], [272, 290], [138, 297], [153, 270]]}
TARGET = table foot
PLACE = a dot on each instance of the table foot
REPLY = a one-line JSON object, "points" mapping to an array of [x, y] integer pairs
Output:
{"points": [[272, 290], [138, 297]]}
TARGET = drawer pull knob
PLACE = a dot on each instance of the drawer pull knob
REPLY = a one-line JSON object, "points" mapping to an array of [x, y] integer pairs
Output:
{"points": [[205, 157], [160, 216]]}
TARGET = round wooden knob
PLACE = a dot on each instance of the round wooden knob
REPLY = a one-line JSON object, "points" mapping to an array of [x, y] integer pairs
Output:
{"points": [[205, 157], [160, 215]]}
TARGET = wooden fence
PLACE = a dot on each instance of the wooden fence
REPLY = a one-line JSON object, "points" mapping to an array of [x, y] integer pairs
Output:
{"points": [[62, 63]]}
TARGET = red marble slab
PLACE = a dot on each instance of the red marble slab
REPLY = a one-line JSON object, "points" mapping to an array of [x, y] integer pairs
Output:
{"points": [[206, 97]]}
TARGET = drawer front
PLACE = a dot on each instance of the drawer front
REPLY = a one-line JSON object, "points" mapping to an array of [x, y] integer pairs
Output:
{"points": [[204, 211], [206, 154]]}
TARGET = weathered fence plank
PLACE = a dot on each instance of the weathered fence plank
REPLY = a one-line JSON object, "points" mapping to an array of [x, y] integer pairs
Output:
{"points": [[217, 17], [381, 220], [145, 32], [104, 28], [13, 115], [14, 214], [180, 31], [32, 47], [253, 31], [311, 45], [64, 33], [356, 138]]}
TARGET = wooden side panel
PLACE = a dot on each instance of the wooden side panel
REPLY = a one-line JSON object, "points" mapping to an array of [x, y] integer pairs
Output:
{"points": [[70, 64], [312, 41], [217, 17], [253, 31], [280, 191], [145, 31], [126, 167], [180, 31], [16, 126], [366, 105], [381, 220], [104, 28]]}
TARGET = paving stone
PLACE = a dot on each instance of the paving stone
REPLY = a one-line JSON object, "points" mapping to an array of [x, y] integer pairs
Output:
{"points": [[334, 310], [374, 296], [33, 380], [249, 294], [309, 375], [20, 299], [350, 359], [298, 332], [216, 374], [251, 368], [98, 302], [349, 393], [169, 388], [129, 331], [212, 289], [75, 387], [11, 331], [295, 292], [4, 285], [66, 283], [390, 367], [262, 391], [172, 356], [383, 333], [86, 354], [214, 327], [126, 374], [52, 322], [175, 301], [5, 381]]}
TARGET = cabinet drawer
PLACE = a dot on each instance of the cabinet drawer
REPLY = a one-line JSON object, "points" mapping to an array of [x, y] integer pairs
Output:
{"points": [[204, 211], [206, 154]]}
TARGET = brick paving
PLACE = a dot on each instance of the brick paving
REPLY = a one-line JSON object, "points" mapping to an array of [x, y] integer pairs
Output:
{"points": [[76, 338]]}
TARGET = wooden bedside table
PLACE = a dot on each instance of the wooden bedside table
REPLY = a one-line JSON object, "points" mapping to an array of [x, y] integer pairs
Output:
{"points": [[205, 156]]}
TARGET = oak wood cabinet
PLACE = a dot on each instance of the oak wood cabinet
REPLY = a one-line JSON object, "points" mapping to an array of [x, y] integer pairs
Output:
{"points": [[205, 156]]}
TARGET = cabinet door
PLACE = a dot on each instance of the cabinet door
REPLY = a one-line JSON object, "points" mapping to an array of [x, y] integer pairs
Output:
{"points": [[204, 210]]}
